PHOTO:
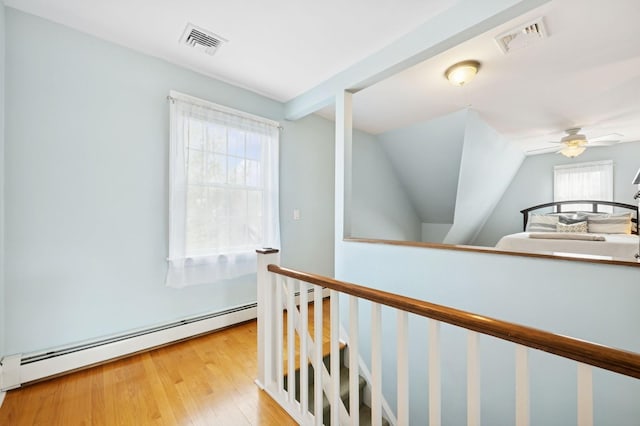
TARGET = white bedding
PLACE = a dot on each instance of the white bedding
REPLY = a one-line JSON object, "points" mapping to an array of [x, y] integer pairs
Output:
{"points": [[615, 245]]}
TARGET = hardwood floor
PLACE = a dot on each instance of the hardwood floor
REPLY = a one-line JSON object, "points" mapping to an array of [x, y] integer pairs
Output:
{"points": [[208, 380]]}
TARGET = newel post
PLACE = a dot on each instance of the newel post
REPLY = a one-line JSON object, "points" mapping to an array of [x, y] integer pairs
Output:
{"points": [[265, 290]]}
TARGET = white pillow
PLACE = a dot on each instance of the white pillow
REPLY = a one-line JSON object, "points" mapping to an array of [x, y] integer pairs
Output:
{"points": [[610, 224], [539, 222]]}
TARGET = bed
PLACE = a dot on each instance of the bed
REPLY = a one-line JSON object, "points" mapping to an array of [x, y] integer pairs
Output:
{"points": [[583, 228]]}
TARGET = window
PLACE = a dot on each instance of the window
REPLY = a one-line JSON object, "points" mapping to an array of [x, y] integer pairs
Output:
{"points": [[223, 191], [583, 181]]}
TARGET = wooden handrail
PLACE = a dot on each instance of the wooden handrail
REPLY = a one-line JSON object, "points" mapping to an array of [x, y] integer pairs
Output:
{"points": [[616, 360]]}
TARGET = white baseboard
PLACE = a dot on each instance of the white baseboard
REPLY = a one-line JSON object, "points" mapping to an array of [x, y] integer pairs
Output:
{"points": [[22, 369], [19, 369]]}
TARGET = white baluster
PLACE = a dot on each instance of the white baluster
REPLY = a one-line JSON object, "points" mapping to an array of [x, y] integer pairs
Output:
{"points": [[403, 368], [291, 339], [304, 357], [334, 298], [435, 417], [376, 365], [585, 395], [354, 356], [317, 354], [522, 385], [473, 379]]}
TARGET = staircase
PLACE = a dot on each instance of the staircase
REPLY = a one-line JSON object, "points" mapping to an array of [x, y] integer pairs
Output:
{"points": [[365, 410], [277, 337]]}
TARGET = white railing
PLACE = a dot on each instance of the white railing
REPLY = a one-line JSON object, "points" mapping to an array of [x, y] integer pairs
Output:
{"points": [[283, 299], [287, 294]]}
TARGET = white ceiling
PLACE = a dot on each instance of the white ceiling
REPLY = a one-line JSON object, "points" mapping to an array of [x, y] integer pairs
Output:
{"points": [[278, 48], [586, 73]]}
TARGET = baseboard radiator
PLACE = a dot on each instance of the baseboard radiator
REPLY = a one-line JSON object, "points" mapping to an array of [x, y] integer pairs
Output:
{"points": [[20, 369]]}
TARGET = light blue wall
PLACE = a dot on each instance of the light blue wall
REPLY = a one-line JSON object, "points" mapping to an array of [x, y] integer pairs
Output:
{"points": [[533, 184], [435, 232], [307, 184], [583, 300], [2, 179], [380, 205], [488, 164], [86, 188]]}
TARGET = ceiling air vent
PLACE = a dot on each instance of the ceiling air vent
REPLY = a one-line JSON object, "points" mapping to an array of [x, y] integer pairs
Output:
{"points": [[205, 40], [521, 37]]}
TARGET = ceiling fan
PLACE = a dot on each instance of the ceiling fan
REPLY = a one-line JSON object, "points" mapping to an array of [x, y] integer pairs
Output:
{"points": [[576, 143]]}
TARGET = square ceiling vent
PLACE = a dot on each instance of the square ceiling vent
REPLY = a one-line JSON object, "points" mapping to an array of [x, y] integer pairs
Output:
{"points": [[522, 36], [202, 39]]}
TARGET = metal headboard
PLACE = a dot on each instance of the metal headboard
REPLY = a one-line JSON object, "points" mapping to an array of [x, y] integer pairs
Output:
{"points": [[557, 207]]}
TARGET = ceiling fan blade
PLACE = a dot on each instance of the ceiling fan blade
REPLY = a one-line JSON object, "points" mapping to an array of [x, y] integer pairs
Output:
{"points": [[610, 137], [541, 150], [603, 143]]}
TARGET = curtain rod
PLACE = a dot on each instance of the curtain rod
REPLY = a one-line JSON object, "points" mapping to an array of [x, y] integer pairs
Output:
{"points": [[226, 110]]}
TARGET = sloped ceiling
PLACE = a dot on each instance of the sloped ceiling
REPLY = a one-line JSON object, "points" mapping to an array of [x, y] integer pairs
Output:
{"points": [[426, 157], [454, 168], [488, 164]]}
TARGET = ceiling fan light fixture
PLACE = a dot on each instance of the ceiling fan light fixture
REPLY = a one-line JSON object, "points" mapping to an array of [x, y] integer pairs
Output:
{"points": [[462, 73], [574, 143], [572, 150]]}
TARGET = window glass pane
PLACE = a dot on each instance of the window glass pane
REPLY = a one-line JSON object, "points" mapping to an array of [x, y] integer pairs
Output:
{"points": [[253, 173], [221, 217], [236, 170], [195, 160], [196, 134], [236, 143], [254, 148], [217, 139], [218, 199], [197, 223], [215, 168]]}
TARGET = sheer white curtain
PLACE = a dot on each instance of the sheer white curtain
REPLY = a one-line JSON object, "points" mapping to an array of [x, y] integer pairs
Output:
{"points": [[583, 181], [223, 201]]}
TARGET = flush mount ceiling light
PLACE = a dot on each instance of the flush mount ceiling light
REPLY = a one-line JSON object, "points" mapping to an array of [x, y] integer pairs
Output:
{"points": [[461, 73]]}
